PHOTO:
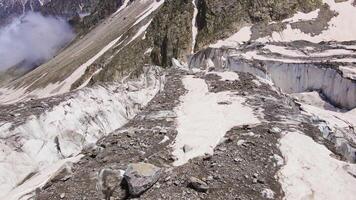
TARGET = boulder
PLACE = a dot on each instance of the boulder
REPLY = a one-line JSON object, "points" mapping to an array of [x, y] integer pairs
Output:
{"points": [[108, 181], [198, 184], [187, 148], [140, 177]]}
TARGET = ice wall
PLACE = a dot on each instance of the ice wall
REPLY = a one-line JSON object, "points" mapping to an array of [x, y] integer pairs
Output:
{"points": [[290, 77]]}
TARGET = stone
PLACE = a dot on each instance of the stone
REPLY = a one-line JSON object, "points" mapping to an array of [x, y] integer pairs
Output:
{"points": [[108, 181], [131, 134], [62, 195], [267, 193], [275, 130], [241, 142], [187, 148], [140, 177], [198, 185]]}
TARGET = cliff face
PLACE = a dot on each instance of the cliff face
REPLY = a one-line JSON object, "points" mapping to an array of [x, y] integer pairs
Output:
{"points": [[219, 19], [169, 35], [82, 14]]}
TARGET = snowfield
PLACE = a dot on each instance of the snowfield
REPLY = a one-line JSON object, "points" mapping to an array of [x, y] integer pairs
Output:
{"points": [[202, 122], [340, 28], [311, 173]]}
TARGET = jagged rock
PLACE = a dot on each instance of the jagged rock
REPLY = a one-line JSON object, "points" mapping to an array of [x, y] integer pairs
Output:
{"points": [[140, 177], [268, 194], [108, 181], [275, 130], [241, 142], [62, 174], [198, 184], [187, 148]]}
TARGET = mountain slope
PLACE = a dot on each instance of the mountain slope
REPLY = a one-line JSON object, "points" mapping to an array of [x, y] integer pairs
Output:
{"points": [[260, 105]]}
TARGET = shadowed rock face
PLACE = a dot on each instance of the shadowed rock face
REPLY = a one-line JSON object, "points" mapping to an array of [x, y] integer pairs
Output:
{"points": [[82, 14], [63, 8], [141, 176]]}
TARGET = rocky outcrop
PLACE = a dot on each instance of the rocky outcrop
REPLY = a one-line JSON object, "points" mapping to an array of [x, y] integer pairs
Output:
{"points": [[220, 19]]}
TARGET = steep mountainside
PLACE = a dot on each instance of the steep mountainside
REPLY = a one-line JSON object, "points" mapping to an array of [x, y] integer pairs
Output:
{"points": [[186, 99]]}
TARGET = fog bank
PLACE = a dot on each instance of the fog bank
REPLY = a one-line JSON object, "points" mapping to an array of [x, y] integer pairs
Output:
{"points": [[32, 39]]}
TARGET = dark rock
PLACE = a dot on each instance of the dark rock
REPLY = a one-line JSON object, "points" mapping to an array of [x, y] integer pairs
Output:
{"points": [[141, 176], [198, 184], [108, 181]]}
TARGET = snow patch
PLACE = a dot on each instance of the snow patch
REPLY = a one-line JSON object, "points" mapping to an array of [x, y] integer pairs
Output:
{"points": [[122, 7], [25, 191], [153, 7], [300, 16], [311, 173], [340, 28], [227, 75], [140, 31], [195, 114], [243, 35], [348, 71]]}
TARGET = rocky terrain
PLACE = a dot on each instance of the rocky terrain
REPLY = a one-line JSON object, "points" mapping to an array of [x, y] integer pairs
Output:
{"points": [[199, 99]]}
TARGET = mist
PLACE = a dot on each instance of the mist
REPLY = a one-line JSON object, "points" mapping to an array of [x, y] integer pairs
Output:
{"points": [[32, 39]]}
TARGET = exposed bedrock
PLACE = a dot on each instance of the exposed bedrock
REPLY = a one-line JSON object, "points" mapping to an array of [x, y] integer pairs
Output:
{"points": [[290, 77]]}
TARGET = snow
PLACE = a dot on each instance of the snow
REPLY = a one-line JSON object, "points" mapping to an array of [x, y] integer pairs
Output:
{"points": [[300, 16], [79, 120], [311, 173], [348, 71], [124, 5], [148, 51], [88, 80], [25, 191], [177, 64], [314, 99], [79, 72], [153, 7], [195, 114], [332, 52], [227, 75], [284, 51], [340, 27], [194, 26], [243, 35], [333, 118], [165, 139], [140, 31], [254, 55]]}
